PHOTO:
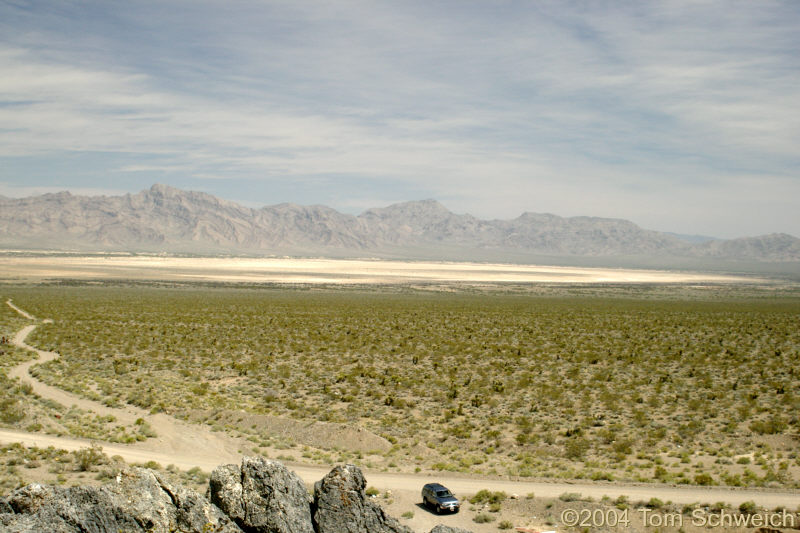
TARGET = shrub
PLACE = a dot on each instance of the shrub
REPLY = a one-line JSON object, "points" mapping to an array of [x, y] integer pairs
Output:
{"points": [[88, 457], [483, 518], [748, 507], [771, 426], [655, 503], [505, 524], [12, 410], [703, 479], [576, 448], [570, 497], [485, 495]]}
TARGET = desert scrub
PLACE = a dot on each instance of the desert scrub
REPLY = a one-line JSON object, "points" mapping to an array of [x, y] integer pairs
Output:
{"points": [[483, 518], [21, 465], [530, 385], [487, 496]]}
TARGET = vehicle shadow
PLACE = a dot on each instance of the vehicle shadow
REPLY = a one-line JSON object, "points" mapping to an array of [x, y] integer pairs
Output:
{"points": [[421, 505], [431, 510]]}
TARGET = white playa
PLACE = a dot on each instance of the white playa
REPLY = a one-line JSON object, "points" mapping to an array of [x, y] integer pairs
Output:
{"points": [[328, 271]]}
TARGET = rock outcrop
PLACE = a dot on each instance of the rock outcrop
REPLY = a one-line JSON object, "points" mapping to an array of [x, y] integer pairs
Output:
{"points": [[262, 496], [341, 505], [140, 500], [258, 496]]}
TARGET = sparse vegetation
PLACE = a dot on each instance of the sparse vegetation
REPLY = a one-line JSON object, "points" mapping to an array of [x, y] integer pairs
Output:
{"points": [[631, 384], [483, 518], [86, 458], [21, 465], [487, 496]]}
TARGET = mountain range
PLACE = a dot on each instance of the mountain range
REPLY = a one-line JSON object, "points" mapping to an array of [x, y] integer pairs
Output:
{"points": [[165, 219]]}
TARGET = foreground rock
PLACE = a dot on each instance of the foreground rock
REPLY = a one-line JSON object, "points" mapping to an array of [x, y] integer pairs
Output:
{"points": [[139, 501], [258, 496], [262, 496], [342, 506]]}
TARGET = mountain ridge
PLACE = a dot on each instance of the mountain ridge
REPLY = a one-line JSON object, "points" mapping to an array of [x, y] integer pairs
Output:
{"points": [[166, 219]]}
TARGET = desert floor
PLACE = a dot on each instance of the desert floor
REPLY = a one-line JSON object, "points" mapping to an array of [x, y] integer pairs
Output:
{"points": [[178, 443]]}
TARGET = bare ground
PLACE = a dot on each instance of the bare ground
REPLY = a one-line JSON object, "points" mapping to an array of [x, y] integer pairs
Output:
{"points": [[329, 271]]}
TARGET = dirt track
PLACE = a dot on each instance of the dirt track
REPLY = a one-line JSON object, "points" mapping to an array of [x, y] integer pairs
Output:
{"points": [[187, 445], [175, 438]]}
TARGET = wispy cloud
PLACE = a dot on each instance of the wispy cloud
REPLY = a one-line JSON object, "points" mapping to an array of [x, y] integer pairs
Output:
{"points": [[681, 116]]}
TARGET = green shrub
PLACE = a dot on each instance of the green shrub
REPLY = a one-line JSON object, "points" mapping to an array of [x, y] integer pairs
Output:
{"points": [[576, 448], [655, 503], [770, 426], [86, 458], [484, 495], [703, 479], [748, 507], [11, 410], [483, 518]]}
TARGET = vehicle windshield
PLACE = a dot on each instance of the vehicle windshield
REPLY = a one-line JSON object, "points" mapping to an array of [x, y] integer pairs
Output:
{"points": [[443, 493]]}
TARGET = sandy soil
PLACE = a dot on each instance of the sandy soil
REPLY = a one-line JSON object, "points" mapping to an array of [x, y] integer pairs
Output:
{"points": [[327, 271]]}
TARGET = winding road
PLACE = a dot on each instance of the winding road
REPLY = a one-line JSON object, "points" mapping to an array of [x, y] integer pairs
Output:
{"points": [[188, 445]]}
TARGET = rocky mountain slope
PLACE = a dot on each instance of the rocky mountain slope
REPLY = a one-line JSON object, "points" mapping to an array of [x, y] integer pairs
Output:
{"points": [[258, 496], [164, 219]]}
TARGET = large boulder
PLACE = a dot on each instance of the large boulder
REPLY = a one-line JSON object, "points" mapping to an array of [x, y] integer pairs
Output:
{"points": [[139, 501], [342, 506], [262, 496]]}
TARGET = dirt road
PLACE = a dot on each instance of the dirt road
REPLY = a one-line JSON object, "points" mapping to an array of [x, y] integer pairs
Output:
{"points": [[413, 482], [188, 445], [174, 437]]}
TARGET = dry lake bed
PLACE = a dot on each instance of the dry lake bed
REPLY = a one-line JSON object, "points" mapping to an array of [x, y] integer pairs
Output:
{"points": [[327, 271]]}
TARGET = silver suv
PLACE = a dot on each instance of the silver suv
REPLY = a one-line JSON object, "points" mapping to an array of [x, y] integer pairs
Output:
{"points": [[440, 498]]}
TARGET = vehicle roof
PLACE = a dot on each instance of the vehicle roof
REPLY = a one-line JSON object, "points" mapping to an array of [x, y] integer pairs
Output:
{"points": [[435, 486]]}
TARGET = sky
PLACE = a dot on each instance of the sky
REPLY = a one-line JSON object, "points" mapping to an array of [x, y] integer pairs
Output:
{"points": [[678, 116]]}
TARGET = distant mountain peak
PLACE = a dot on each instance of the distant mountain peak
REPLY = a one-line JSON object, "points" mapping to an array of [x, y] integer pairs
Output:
{"points": [[160, 188], [414, 210], [167, 219]]}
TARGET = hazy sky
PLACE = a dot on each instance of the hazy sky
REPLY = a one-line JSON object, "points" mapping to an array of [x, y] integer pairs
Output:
{"points": [[680, 116]]}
